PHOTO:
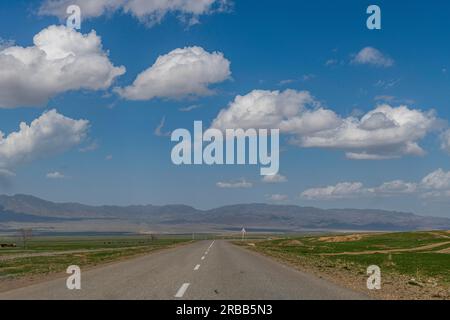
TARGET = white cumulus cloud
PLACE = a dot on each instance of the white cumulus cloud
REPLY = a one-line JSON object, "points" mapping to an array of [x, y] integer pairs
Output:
{"points": [[277, 197], [275, 178], [290, 111], [182, 72], [55, 175], [60, 60], [437, 180], [147, 11], [383, 133], [341, 190], [396, 187], [434, 185], [241, 184], [49, 134], [372, 56]]}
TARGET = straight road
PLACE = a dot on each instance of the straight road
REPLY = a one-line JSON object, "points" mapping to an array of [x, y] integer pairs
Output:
{"points": [[202, 270]]}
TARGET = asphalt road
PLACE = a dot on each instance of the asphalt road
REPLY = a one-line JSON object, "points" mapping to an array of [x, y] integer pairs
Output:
{"points": [[202, 270]]}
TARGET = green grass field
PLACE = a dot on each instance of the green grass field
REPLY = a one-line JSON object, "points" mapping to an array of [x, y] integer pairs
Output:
{"points": [[46, 255], [424, 256]]}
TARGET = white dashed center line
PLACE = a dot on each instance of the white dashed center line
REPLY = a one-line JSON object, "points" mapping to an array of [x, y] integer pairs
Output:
{"points": [[182, 290], [185, 286]]}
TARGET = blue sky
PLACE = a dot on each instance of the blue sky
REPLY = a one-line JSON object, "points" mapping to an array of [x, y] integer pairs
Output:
{"points": [[299, 45]]}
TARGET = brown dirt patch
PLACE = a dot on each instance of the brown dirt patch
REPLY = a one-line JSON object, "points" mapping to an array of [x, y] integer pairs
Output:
{"points": [[346, 238], [422, 248], [293, 243], [446, 250]]}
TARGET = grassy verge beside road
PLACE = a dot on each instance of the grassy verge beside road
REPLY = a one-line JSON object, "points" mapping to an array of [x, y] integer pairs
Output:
{"points": [[45, 256], [414, 265]]}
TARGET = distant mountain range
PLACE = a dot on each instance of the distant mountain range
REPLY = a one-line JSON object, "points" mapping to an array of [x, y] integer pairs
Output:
{"points": [[24, 210]]}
